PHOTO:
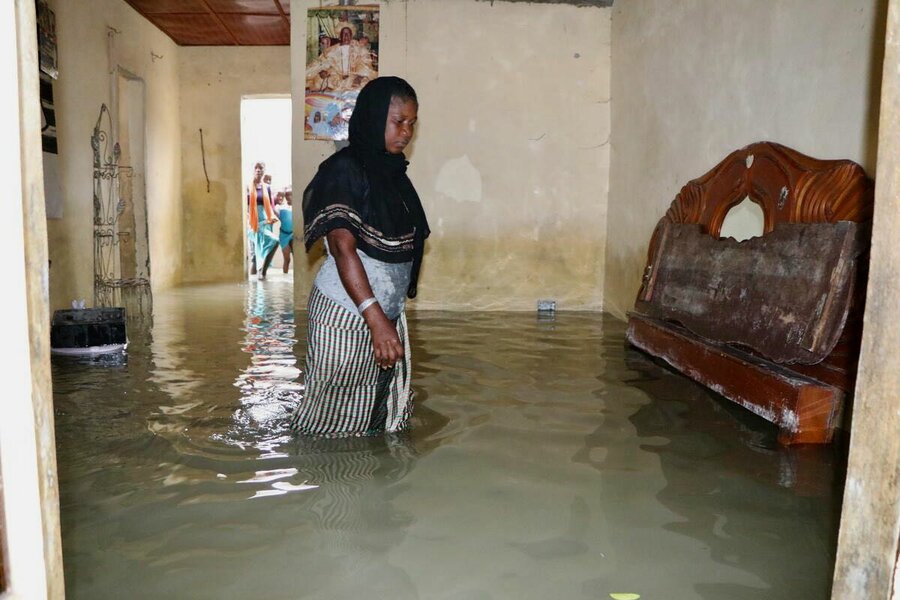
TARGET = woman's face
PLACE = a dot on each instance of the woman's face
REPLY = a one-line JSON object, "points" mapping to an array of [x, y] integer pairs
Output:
{"points": [[401, 121], [258, 171]]}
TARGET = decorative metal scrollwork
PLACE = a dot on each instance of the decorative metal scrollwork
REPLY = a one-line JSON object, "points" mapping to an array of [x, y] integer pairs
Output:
{"points": [[110, 287]]}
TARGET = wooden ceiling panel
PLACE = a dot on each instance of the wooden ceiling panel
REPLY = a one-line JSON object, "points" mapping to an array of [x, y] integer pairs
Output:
{"points": [[258, 30], [253, 7], [193, 30], [220, 22], [152, 7], [241, 22]]}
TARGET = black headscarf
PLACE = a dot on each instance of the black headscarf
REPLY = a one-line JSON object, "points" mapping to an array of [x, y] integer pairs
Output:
{"points": [[364, 189]]}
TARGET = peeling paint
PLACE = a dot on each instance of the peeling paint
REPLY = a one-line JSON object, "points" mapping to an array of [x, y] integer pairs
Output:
{"points": [[459, 180]]}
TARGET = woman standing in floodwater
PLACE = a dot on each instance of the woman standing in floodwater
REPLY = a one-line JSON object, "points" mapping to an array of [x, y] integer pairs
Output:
{"points": [[364, 205]]}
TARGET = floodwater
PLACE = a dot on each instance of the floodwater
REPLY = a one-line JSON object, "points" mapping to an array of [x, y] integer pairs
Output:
{"points": [[546, 460]]}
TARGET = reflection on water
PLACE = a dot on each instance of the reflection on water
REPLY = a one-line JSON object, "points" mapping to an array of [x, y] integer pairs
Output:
{"points": [[545, 461], [269, 384]]}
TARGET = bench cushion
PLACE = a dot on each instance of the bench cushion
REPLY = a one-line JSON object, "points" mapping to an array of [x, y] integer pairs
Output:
{"points": [[784, 295]]}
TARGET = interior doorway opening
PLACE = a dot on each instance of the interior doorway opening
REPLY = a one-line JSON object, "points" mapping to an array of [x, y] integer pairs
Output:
{"points": [[266, 138]]}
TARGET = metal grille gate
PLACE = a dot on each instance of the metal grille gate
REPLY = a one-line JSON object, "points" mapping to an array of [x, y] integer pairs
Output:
{"points": [[112, 198]]}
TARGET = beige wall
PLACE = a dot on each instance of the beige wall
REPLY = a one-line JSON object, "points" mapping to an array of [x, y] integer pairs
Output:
{"points": [[83, 85], [213, 80], [511, 156], [693, 80]]}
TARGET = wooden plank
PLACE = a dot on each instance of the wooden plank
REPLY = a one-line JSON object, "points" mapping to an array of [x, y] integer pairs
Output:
{"points": [[805, 411], [785, 294], [868, 554]]}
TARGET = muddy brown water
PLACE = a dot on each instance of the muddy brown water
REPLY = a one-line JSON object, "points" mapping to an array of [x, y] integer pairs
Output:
{"points": [[546, 460]]}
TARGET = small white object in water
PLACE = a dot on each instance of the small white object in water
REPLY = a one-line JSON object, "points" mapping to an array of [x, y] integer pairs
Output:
{"points": [[624, 596]]}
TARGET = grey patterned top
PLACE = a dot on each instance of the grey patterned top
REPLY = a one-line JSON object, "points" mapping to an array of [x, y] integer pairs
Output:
{"points": [[389, 282]]}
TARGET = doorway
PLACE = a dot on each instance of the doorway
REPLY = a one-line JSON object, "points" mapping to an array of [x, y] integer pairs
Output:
{"points": [[266, 138]]}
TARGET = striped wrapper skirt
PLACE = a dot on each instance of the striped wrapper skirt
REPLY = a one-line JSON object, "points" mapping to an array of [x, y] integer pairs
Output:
{"points": [[347, 394]]}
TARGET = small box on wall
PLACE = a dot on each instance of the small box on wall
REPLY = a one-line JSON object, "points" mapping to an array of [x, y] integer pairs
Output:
{"points": [[47, 58]]}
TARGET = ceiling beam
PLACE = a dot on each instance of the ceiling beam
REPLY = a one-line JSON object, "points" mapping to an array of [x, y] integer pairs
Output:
{"points": [[281, 12], [221, 23]]}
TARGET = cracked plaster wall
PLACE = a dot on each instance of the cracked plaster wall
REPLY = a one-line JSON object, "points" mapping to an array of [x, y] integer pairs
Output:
{"points": [[511, 155]]}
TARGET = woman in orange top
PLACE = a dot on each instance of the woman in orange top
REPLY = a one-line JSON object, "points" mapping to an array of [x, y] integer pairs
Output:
{"points": [[261, 216]]}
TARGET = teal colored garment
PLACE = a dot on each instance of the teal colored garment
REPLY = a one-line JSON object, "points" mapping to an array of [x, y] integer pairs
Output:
{"points": [[286, 216], [264, 239]]}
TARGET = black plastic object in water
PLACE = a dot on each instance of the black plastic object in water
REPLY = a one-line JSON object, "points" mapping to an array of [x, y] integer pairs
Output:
{"points": [[87, 328]]}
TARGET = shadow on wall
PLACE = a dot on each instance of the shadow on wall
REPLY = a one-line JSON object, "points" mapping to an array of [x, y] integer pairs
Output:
{"points": [[875, 71]]}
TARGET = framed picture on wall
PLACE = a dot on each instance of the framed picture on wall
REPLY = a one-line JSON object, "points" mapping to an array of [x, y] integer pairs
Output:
{"points": [[46, 32], [341, 57]]}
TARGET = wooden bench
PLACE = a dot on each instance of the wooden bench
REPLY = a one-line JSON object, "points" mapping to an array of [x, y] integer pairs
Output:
{"points": [[774, 322]]}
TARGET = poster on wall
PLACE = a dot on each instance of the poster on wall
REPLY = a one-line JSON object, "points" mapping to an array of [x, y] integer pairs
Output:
{"points": [[46, 32], [341, 57]]}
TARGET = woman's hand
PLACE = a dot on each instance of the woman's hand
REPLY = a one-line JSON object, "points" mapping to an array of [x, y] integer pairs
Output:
{"points": [[385, 342]]}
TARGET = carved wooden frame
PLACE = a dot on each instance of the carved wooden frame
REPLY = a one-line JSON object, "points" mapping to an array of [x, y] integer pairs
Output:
{"points": [[788, 186]]}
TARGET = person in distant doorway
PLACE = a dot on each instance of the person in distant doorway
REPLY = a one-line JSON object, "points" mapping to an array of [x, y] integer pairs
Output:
{"points": [[286, 233], [260, 218], [363, 204]]}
